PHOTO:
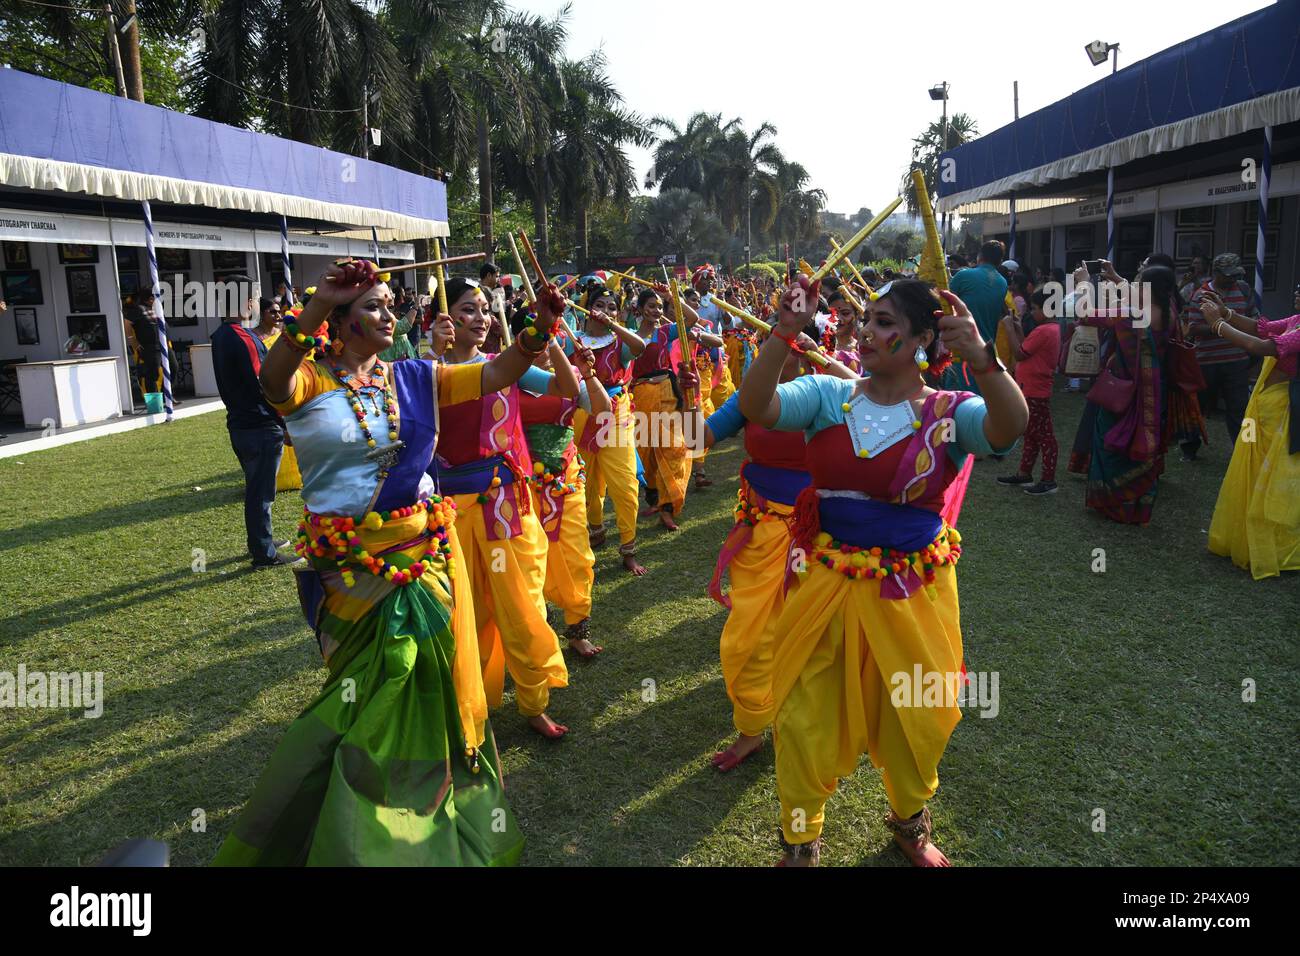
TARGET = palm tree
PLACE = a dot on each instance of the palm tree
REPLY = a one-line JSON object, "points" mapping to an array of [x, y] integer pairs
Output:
{"points": [[592, 129], [678, 220], [797, 215], [926, 149], [744, 173], [683, 159]]}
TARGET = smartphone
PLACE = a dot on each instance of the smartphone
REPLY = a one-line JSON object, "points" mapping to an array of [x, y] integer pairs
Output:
{"points": [[1093, 266]]}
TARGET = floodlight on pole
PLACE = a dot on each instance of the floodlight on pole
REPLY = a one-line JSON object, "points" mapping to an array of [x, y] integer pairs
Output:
{"points": [[1099, 50]]}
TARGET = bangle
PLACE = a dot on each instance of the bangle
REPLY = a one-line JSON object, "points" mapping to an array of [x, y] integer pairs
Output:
{"points": [[295, 336], [532, 353]]}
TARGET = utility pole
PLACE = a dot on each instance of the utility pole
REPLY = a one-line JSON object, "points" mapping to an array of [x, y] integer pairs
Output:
{"points": [[365, 121], [110, 33]]}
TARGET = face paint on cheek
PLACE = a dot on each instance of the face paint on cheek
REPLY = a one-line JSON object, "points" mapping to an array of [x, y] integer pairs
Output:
{"points": [[894, 342], [355, 328]]}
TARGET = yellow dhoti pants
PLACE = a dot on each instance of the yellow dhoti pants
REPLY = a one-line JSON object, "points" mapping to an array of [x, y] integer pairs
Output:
{"points": [[839, 646], [506, 578], [570, 564], [757, 596], [661, 443], [288, 478], [1257, 517], [735, 350], [611, 468]]}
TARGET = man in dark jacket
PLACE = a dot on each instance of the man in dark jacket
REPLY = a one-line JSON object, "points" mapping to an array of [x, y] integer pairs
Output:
{"points": [[256, 432]]}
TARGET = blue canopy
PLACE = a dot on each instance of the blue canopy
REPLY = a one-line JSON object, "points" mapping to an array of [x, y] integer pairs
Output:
{"points": [[1240, 76], [55, 136]]}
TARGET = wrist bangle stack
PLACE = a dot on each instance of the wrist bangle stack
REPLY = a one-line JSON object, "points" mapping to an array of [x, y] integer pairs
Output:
{"points": [[533, 353], [789, 340], [301, 340]]}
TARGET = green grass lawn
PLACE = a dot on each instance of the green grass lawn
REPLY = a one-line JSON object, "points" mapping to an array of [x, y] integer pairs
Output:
{"points": [[1119, 691]]}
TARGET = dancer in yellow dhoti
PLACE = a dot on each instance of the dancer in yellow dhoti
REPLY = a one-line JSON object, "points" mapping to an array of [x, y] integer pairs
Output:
{"points": [[659, 435], [558, 487], [482, 461], [876, 610], [1257, 517], [607, 442]]}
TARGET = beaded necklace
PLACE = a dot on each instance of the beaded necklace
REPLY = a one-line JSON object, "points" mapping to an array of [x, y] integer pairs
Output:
{"points": [[386, 457]]}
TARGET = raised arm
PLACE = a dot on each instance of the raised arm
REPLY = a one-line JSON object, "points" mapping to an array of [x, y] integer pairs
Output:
{"points": [[1008, 414], [585, 361], [564, 381], [339, 285], [759, 402], [508, 367]]}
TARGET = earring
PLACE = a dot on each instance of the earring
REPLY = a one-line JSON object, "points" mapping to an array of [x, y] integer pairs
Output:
{"points": [[922, 361], [337, 346]]}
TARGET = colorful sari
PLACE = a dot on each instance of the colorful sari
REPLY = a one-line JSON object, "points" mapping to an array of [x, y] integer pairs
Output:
{"points": [[393, 763], [1127, 456]]}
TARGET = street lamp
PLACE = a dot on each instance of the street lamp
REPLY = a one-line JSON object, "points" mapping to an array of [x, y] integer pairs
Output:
{"points": [[940, 92], [1098, 51]]}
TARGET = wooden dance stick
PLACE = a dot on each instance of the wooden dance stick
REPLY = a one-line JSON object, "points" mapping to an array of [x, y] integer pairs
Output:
{"points": [[813, 356], [435, 263], [856, 241]]}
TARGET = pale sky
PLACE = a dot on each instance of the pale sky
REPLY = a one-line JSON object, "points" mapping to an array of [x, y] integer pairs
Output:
{"points": [[779, 62]]}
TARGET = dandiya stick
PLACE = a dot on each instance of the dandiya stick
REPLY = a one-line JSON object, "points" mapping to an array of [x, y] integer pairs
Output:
{"points": [[688, 351], [440, 276], [813, 356], [528, 247], [835, 247], [438, 263], [857, 240], [843, 290]]}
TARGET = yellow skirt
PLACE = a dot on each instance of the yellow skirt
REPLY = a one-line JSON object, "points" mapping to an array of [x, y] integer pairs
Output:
{"points": [[661, 443], [840, 651], [1257, 517], [288, 478], [611, 469]]}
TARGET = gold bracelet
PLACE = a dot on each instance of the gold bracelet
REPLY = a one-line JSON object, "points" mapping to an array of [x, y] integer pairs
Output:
{"points": [[519, 340]]}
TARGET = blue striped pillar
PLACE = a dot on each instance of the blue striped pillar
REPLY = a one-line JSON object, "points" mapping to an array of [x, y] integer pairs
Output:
{"points": [[165, 359], [1261, 247]]}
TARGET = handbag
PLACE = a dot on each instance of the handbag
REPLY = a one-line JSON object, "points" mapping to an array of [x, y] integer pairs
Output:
{"points": [[1111, 392]]}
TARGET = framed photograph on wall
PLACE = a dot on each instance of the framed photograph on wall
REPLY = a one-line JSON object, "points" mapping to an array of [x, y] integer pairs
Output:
{"points": [[225, 259], [128, 257], [128, 283], [83, 289], [28, 332], [1274, 210], [17, 255], [90, 329], [22, 288], [72, 253], [172, 260], [1189, 245], [1195, 216], [1079, 238]]}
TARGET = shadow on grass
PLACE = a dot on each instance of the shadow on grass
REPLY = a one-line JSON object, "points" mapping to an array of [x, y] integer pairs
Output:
{"points": [[32, 623], [117, 518]]}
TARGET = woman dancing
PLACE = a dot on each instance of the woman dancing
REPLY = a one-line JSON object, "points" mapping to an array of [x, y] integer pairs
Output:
{"points": [[1257, 517], [607, 442], [394, 762], [655, 394], [559, 482], [482, 462], [878, 598]]}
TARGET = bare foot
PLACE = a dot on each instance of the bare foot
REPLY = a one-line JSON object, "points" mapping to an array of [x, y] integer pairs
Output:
{"points": [[649, 511], [547, 727], [595, 537], [737, 753], [810, 857], [632, 567], [913, 837], [584, 648], [666, 519]]}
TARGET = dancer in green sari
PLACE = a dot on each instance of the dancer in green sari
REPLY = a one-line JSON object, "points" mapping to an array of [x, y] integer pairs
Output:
{"points": [[394, 762]]}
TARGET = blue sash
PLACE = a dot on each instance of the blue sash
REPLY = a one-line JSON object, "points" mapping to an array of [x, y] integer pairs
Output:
{"points": [[474, 477], [781, 485], [865, 523]]}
